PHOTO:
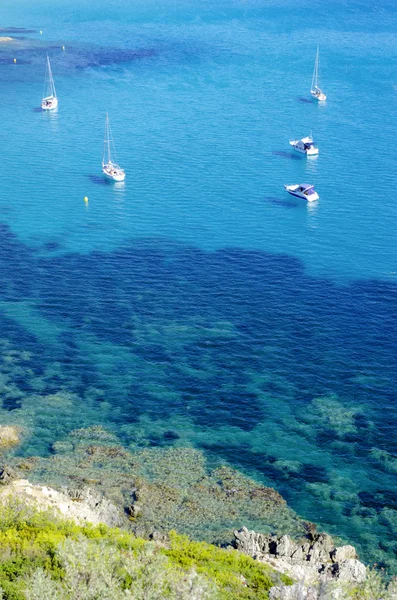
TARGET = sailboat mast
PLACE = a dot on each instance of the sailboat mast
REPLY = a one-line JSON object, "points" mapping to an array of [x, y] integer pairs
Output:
{"points": [[106, 144], [108, 126], [52, 91], [315, 72]]}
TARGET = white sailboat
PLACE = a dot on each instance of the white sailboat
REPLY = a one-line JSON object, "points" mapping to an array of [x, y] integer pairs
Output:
{"points": [[110, 169], [50, 100], [315, 90]]}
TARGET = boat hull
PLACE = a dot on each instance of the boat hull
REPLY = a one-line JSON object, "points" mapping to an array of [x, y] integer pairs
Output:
{"points": [[310, 152], [320, 97], [49, 103], [113, 177], [310, 198], [294, 191]]}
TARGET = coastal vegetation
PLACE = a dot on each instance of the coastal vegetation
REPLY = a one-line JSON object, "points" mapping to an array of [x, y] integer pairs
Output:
{"points": [[43, 557]]}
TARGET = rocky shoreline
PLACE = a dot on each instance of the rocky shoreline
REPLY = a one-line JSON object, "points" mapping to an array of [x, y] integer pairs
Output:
{"points": [[160, 489], [310, 561], [92, 478]]}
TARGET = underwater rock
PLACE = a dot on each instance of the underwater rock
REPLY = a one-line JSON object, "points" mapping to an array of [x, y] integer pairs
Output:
{"points": [[331, 414], [308, 560], [160, 489], [9, 436], [82, 506]]}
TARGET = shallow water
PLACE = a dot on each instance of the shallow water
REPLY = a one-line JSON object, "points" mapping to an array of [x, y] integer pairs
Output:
{"points": [[197, 304]]}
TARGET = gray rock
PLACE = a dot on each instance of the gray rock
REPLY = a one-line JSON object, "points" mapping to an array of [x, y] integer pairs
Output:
{"points": [[297, 591], [252, 543], [80, 504], [321, 548], [350, 570], [105, 511], [134, 510], [286, 546], [7, 474], [343, 553], [310, 560]]}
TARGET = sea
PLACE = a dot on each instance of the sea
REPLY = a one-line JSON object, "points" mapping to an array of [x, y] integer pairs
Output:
{"points": [[197, 303]]}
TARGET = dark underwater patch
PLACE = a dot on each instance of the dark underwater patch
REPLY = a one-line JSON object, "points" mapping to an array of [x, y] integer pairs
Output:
{"points": [[16, 30], [102, 57], [279, 202], [312, 473], [98, 180], [171, 436], [379, 499], [284, 154], [52, 246], [219, 338]]}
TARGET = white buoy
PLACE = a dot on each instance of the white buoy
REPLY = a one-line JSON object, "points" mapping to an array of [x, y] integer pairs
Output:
{"points": [[63, 47], [41, 33]]}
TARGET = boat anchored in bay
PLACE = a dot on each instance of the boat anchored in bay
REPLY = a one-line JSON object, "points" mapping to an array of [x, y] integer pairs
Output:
{"points": [[50, 100], [305, 146], [110, 169], [305, 191], [315, 90]]}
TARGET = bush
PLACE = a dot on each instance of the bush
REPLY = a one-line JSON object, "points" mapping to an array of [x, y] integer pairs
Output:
{"points": [[43, 557], [236, 575]]}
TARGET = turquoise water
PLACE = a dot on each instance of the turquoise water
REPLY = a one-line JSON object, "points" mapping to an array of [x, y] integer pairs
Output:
{"points": [[198, 304]]}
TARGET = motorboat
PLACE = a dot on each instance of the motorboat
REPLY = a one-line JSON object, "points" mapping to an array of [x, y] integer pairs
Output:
{"points": [[305, 146], [50, 100], [315, 91], [110, 169], [305, 191]]}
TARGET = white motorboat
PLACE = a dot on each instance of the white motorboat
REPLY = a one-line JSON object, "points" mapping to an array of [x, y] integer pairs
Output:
{"points": [[110, 169], [305, 146], [50, 100], [315, 90], [305, 191]]}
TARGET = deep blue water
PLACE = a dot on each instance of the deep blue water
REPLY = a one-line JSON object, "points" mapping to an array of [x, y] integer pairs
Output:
{"points": [[197, 304]]}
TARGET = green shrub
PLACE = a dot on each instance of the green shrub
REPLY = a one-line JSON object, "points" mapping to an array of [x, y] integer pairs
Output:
{"points": [[43, 557], [94, 571], [236, 575]]}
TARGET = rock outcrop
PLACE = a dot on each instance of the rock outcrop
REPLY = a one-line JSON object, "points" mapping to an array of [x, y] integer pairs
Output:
{"points": [[9, 436], [310, 561], [82, 505], [298, 591]]}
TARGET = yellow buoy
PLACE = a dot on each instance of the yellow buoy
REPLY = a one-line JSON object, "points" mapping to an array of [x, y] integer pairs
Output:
{"points": [[41, 33], [85, 199], [15, 60]]}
